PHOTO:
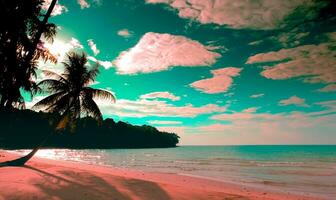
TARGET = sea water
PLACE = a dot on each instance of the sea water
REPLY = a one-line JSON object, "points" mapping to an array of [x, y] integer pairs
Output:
{"points": [[305, 169]]}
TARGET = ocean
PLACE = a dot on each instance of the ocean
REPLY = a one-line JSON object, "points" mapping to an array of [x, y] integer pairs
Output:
{"points": [[302, 169]]}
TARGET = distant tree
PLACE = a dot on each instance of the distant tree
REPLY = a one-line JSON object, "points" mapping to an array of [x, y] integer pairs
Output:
{"points": [[70, 96]]}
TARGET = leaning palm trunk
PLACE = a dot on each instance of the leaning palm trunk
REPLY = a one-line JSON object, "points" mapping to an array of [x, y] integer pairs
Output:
{"points": [[70, 96], [21, 161]]}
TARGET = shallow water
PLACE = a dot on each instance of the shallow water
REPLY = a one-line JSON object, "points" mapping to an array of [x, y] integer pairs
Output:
{"points": [[309, 169]]}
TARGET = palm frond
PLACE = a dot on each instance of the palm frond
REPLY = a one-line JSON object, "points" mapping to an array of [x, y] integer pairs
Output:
{"points": [[90, 76], [50, 31], [100, 94], [61, 106], [45, 54], [90, 108], [52, 85], [54, 75], [48, 101], [72, 97]]}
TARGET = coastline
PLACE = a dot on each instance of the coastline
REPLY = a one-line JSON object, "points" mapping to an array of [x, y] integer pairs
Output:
{"points": [[50, 179]]}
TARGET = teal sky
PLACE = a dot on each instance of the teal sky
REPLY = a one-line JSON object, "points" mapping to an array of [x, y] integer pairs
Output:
{"points": [[215, 72]]}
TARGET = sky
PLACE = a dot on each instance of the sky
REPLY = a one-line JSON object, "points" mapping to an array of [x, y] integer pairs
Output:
{"points": [[216, 72]]}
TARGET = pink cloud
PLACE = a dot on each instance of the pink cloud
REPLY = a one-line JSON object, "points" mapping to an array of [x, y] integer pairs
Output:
{"points": [[250, 110], [331, 105], [124, 33], [257, 95], [328, 88], [58, 9], [249, 127], [220, 82], [83, 4], [293, 100], [158, 52], [144, 107], [164, 122], [163, 95], [247, 114], [316, 63], [262, 14], [329, 108]]}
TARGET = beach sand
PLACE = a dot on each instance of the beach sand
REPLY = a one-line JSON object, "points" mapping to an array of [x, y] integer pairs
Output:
{"points": [[54, 180]]}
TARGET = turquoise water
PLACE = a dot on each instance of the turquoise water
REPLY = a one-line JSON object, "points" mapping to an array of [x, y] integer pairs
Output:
{"points": [[301, 169]]}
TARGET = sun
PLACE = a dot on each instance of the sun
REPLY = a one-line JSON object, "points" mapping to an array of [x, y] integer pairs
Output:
{"points": [[58, 48]]}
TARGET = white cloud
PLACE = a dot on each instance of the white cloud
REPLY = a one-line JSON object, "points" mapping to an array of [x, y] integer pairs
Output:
{"points": [[255, 43], [293, 100], [58, 9], [124, 33], [162, 95], [158, 52], [75, 43], [262, 14], [93, 47], [105, 64], [220, 82], [59, 47]]}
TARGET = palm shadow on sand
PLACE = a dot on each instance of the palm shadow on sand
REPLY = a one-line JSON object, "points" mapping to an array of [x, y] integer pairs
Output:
{"points": [[74, 185]]}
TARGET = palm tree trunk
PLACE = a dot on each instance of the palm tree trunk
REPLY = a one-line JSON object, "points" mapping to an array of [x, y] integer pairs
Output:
{"points": [[39, 32], [2, 101], [22, 160]]}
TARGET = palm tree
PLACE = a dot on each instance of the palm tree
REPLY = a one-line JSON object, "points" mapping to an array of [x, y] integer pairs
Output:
{"points": [[70, 96], [20, 46]]}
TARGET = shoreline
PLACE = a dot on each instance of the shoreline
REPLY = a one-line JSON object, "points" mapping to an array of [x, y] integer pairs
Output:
{"points": [[51, 179]]}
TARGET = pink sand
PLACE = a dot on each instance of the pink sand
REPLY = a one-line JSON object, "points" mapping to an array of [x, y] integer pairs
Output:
{"points": [[55, 180]]}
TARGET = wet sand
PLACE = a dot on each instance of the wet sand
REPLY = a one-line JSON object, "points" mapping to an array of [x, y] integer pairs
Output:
{"points": [[55, 180]]}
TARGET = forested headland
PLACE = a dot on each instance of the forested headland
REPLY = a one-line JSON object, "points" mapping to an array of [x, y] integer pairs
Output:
{"points": [[22, 129]]}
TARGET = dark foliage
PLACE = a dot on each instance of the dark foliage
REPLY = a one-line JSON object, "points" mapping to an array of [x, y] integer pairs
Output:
{"points": [[22, 129], [23, 22]]}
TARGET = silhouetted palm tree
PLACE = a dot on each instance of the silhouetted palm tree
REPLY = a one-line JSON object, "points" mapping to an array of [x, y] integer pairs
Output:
{"points": [[23, 22], [70, 96]]}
